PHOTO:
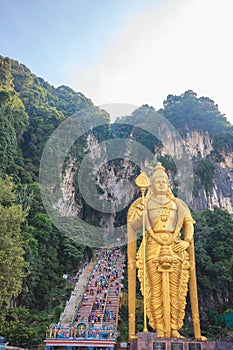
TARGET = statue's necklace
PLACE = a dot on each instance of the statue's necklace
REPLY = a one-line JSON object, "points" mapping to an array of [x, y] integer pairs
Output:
{"points": [[164, 215], [165, 210]]}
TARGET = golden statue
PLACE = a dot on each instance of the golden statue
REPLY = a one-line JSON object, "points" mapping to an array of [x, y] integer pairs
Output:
{"points": [[165, 259]]}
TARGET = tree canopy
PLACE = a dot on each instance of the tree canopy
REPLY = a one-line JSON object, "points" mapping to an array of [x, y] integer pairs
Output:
{"points": [[12, 263]]}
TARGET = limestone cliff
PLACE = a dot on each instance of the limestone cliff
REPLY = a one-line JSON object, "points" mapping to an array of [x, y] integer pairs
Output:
{"points": [[113, 178], [199, 146], [66, 204]]}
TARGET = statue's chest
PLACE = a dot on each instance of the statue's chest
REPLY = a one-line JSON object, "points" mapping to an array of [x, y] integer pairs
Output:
{"points": [[162, 217]]}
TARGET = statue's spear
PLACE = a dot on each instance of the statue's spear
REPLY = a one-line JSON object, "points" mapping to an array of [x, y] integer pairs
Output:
{"points": [[193, 293], [143, 183]]}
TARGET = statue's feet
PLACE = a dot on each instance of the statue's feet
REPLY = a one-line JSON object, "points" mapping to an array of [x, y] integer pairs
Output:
{"points": [[202, 338], [160, 334], [176, 334]]}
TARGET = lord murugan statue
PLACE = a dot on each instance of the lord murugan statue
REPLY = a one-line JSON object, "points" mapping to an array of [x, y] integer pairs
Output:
{"points": [[165, 259]]}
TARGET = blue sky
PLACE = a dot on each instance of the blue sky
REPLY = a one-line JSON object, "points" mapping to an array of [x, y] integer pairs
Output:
{"points": [[125, 51], [49, 35]]}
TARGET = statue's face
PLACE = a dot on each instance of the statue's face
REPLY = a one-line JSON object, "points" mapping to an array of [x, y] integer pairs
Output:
{"points": [[160, 185]]}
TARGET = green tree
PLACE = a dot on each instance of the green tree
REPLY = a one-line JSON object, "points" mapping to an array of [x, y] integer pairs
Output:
{"points": [[12, 261], [205, 170], [13, 122], [213, 244], [17, 327], [188, 112], [6, 80]]}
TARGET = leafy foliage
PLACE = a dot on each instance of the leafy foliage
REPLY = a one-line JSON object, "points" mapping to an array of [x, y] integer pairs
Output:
{"points": [[125, 128], [6, 80], [34, 255], [13, 123], [214, 241], [12, 260], [205, 171], [213, 247], [188, 111]]}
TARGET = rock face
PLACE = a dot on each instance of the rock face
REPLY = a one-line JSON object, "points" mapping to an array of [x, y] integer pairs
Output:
{"points": [[199, 146], [67, 205], [221, 195], [115, 179], [113, 183]]}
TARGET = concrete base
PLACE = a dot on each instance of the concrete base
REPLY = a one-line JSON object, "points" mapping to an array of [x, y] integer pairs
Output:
{"points": [[149, 341]]}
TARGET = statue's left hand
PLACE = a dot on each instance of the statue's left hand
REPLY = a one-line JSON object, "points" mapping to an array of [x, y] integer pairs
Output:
{"points": [[180, 246]]}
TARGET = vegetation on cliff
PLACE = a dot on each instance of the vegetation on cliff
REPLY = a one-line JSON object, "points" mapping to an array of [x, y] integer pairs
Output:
{"points": [[34, 254]]}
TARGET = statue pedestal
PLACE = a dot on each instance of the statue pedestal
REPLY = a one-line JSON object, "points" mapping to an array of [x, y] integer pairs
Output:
{"points": [[149, 341]]}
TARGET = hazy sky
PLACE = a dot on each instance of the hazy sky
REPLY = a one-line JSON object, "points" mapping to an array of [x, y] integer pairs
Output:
{"points": [[125, 51]]}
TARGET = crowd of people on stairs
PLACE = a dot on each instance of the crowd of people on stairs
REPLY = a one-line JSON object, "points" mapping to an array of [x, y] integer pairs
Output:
{"points": [[97, 313]]}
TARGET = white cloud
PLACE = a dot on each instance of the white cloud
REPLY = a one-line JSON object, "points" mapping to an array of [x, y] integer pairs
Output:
{"points": [[181, 45]]}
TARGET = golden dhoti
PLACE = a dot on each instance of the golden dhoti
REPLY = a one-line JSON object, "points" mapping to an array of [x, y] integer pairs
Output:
{"points": [[167, 275]]}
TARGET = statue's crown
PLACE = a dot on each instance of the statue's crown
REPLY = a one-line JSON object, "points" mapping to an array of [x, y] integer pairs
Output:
{"points": [[159, 167], [159, 170]]}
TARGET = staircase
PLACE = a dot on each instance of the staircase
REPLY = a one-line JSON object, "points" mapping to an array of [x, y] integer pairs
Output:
{"points": [[100, 301], [91, 314]]}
